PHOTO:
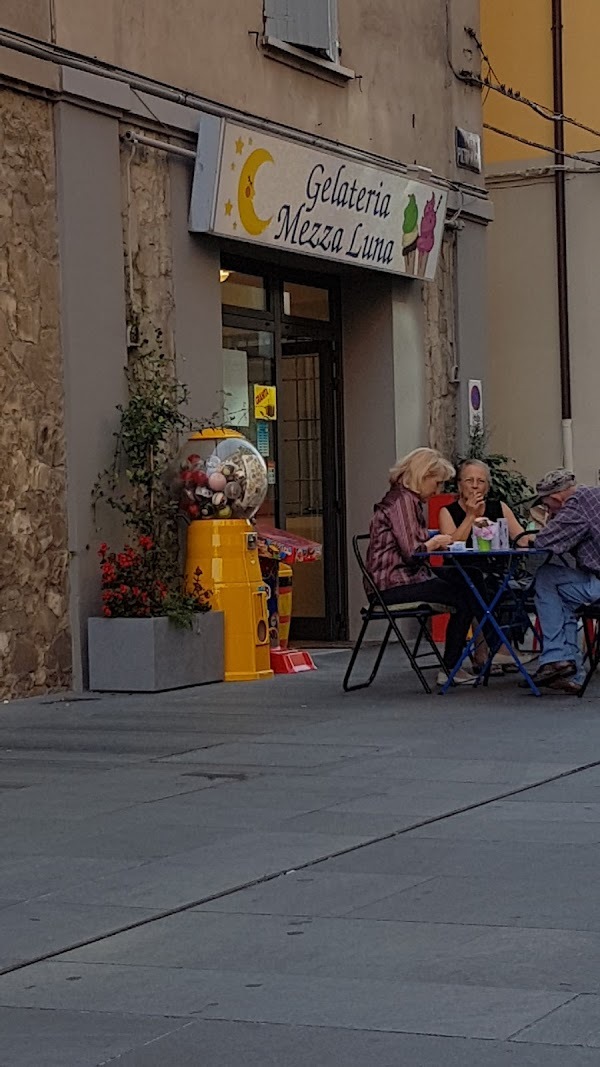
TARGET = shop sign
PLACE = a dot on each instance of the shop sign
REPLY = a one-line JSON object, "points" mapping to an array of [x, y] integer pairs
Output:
{"points": [[252, 186]]}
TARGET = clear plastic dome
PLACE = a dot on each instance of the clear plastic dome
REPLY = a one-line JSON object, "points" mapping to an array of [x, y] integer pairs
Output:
{"points": [[221, 476]]}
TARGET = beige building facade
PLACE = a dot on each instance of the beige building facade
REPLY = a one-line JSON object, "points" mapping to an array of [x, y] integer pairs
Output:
{"points": [[542, 174], [102, 112]]}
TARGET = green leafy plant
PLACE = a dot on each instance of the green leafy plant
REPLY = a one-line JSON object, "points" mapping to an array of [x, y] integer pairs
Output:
{"points": [[508, 483], [137, 486]]}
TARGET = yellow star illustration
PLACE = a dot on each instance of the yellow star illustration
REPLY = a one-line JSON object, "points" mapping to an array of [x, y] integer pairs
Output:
{"points": [[235, 225], [228, 207], [239, 146]]}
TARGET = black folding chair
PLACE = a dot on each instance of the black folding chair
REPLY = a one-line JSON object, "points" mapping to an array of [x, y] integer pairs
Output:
{"points": [[590, 616], [379, 611]]}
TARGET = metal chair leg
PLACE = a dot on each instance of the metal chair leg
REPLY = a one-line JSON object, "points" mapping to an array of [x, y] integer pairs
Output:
{"points": [[593, 651], [434, 648], [364, 685], [411, 659]]}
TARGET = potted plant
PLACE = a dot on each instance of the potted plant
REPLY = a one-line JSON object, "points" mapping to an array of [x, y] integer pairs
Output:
{"points": [[152, 634]]}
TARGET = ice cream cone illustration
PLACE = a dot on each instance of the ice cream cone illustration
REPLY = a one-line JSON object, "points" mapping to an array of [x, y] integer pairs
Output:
{"points": [[426, 238], [422, 265], [410, 234]]}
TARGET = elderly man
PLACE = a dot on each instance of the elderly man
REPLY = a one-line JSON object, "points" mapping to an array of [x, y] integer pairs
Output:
{"points": [[563, 585]]}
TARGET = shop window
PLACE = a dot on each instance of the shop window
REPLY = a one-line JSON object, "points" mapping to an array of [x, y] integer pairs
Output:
{"points": [[243, 290], [308, 24], [305, 302]]}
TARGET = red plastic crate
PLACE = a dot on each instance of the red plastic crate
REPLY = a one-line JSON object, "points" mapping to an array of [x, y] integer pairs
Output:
{"points": [[436, 503]]}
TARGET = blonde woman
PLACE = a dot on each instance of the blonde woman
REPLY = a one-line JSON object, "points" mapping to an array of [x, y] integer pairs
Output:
{"points": [[398, 530]]}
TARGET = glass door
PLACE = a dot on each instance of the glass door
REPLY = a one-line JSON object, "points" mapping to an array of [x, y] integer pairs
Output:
{"points": [[308, 484], [283, 333]]}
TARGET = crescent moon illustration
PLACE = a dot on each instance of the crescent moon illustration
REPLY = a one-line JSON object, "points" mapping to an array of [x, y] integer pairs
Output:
{"points": [[246, 191]]}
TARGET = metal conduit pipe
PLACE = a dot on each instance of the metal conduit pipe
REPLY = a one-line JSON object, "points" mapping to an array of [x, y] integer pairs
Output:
{"points": [[132, 138], [560, 198]]}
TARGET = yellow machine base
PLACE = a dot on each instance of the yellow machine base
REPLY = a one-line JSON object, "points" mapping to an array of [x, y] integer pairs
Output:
{"points": [[225, 552]]}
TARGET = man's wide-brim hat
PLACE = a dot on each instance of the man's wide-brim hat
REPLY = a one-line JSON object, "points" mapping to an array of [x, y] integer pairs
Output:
{"points": [[553, 482]]}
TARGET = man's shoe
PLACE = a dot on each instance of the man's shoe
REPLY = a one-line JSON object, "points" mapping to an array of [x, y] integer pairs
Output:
{"points": [[565, 685], [551, 672], [461, 677]]}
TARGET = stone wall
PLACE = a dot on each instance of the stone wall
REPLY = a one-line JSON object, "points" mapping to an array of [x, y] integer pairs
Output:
{"points": [[147, 243], [440, 353], [35, 642]]}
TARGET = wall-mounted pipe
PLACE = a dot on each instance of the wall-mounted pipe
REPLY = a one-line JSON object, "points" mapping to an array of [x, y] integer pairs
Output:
{"points": [[562, 271], [130, 137]]}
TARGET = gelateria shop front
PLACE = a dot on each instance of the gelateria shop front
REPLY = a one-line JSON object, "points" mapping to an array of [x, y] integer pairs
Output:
{"points": [[320, 325]]}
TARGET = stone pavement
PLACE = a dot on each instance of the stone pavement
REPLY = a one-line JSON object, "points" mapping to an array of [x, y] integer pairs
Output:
{"points": [[280, 875]]}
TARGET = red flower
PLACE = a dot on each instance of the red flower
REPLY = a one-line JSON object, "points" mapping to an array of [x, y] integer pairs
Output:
{"points": [[107, 612], [109, 572], [146, 543], [103, 550]]}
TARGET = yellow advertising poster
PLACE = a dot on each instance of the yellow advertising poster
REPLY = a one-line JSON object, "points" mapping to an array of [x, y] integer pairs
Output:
{"points": [[265, 402]]}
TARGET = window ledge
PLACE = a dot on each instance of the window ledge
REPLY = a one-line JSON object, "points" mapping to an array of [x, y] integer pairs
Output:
{"points": [[286, 53]]}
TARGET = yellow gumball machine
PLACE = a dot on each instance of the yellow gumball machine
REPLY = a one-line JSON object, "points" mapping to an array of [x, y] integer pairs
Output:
{"points": [[222, 482]]}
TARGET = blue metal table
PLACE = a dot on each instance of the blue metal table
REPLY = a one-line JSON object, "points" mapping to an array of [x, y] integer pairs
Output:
{"points": [[509, 559]]}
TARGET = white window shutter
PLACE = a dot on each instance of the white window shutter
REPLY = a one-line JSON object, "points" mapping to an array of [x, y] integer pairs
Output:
{"points": [[305, 23]]}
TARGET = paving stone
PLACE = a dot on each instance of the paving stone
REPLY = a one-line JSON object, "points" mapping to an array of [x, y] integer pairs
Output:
{"points": [[37, 927], [424, 1008], [354, 825], [197, 873], [478, 769], [231, 1044], [113, 841], [75, 1039], [323, 948], [257, 754], [412, 853], [484, 824], [545, 811], [311, 892], [564, 960], [525, 899], [576, 1023], [33, 876]]}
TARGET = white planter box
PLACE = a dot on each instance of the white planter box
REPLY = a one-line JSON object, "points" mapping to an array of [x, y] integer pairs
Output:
{"points": [[150, 655]]}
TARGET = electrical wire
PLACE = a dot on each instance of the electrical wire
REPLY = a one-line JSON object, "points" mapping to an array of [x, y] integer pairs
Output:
{"points": [[542, 110], [592, 163]]}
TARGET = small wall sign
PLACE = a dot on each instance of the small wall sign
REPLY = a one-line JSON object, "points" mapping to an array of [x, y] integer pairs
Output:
{"points": [[468, 150]]}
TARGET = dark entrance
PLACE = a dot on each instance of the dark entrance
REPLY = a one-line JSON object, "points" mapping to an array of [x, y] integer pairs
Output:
{"points": [[283, 330]]}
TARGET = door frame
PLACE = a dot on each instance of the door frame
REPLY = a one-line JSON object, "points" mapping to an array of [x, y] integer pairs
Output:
{"points": [[323, 338]]}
